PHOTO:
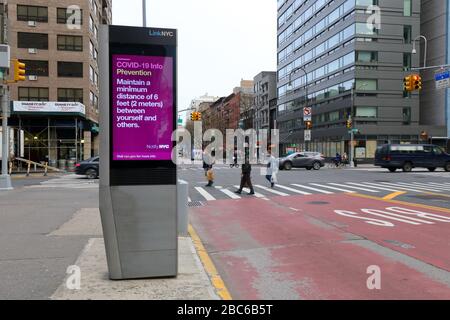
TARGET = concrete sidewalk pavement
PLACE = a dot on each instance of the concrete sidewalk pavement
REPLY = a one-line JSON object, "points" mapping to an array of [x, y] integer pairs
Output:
{"points": [[192, 282]]}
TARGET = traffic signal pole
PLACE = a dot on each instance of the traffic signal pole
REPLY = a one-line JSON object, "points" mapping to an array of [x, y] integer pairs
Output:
{"points": [[5, 179]]}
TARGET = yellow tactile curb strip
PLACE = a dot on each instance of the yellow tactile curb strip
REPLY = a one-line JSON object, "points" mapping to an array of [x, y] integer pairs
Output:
{"points": [[216, 280]]}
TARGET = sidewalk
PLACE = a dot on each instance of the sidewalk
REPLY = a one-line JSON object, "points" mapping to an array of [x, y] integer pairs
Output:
{"points": [[192, 282]]}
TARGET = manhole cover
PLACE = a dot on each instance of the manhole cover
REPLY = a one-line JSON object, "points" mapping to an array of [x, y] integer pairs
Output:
{"points": [[194, 204], [318, 203]]}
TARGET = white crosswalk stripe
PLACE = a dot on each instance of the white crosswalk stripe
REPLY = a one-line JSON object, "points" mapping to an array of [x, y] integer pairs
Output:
{"points": [[400, 187], [258, 195], [272, 191], [293, 190], [356, 188], [427, 188], [205, 194], [313, 189], [373, 186], [439, 186], [332, 188], [231, 194]]}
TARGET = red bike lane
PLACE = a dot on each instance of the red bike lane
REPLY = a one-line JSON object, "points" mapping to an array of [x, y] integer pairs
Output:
{"points": [[323, 247]]}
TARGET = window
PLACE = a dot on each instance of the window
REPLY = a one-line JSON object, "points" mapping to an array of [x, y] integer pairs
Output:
{"points": [[366, 3], [367, 56], [407, 34], [91, 98], [32, 13], [407, 116], [438, 151], [33, 94], [363, 28], [367, 112], [407, 10], [36, 68], [32, 40], [95, 78], [64, 14], [70, 95], [407, 61], [70, 43], [91, 24], [91, 74], [366, 84], [70, 69]]}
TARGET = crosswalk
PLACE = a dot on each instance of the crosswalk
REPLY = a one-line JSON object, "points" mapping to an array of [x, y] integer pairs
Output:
{"points": [[71, 181], [308, 189]]}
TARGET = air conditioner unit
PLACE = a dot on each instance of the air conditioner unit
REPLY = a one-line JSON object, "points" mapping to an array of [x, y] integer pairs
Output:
{"points": [[32, 78], [32, 50], [32, 23]]}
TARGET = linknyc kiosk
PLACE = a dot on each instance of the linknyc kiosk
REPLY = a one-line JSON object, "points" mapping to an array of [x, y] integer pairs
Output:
{"points": [[138, 180]]}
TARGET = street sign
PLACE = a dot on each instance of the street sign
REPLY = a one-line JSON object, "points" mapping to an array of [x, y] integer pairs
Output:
{"points": [[307, 135], [442, 78], [307, 114]]}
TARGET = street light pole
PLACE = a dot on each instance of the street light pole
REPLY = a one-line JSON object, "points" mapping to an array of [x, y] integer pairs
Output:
{"points": [[306, 87], [144, 13], [414, 51], [351, 117]]}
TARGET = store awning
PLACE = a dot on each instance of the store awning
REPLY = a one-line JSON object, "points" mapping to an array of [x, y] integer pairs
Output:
{"points": [[41, 108]]}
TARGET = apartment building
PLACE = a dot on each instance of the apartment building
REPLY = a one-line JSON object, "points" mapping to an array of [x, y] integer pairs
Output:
{"points": [[55, 111], [335, 58], [265, 90]]}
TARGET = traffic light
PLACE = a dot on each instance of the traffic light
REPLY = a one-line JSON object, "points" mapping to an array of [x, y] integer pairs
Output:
{"points": [[349, 124], [194, 116], [417, 82], [407, 84], [19, 71], [308, 125], [199, 116]]}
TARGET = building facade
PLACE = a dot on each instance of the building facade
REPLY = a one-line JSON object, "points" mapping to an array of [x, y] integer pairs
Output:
{"points": [[264, 90], [55, 111], [335, 58], [435, 21]]}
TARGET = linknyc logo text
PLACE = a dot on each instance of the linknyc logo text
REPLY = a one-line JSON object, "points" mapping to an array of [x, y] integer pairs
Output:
{"points": [[160, 33]]}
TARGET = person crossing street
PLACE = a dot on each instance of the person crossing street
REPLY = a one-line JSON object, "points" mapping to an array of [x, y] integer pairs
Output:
{"points": [[246, 179]]}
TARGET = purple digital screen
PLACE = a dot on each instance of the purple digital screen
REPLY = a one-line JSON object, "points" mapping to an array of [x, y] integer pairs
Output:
{"points": [[142, 107]]}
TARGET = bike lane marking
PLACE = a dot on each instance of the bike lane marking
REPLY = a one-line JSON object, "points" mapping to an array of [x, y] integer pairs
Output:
{"points": [[267, 250]]}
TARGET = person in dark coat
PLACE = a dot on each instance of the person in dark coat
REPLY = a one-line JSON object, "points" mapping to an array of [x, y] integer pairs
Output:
{"points": [[246, 179]]}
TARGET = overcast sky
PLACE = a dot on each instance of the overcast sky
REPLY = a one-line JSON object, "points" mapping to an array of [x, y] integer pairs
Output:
{"points": [[220, 41]]}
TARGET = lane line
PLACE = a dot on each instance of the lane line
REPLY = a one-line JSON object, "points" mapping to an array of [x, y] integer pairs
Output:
{"points": [[313, 189], [293, 190], [394, 195], [357, 188], [332, 188], [205, 194], [231, 194], [209, 266], [272, 191]]}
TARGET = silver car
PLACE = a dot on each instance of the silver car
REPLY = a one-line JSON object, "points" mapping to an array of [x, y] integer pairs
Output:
{"points": [[307, 160]]}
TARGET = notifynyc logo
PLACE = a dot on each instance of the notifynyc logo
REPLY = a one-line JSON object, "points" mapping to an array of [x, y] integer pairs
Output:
{"points": [[161, 33]]}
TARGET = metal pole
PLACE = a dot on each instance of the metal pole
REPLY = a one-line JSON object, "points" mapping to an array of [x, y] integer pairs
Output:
{"points": [[5, 179], [352, 135], [144, 13]]}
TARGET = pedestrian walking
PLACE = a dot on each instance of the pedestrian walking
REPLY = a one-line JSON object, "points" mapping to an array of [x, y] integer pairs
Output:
{"points": [[210, 176], [246, 179], [272, 170]]}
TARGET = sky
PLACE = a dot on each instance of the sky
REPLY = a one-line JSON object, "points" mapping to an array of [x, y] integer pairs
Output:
{"points": [[220, 41]]}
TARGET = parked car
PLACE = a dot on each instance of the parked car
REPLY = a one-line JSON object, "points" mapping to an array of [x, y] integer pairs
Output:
{"points": [[407, 157], [89, 168], [307, 160]]}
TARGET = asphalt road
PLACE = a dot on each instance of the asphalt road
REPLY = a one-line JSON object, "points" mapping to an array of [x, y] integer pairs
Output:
{"points": [[318, 234]]}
